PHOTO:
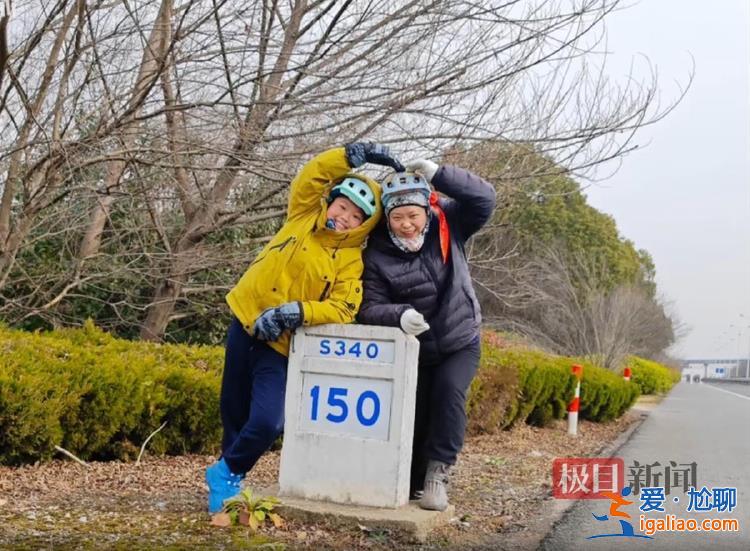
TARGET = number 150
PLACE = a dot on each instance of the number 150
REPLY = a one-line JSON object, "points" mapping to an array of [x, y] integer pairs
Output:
{"points": [[336, 399]]}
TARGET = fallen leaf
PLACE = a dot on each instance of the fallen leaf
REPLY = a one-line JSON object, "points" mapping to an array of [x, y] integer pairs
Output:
{"points": [[221, 520], [278, 522]]}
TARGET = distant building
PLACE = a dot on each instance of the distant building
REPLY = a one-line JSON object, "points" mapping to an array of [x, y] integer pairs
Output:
{"points": [[696, 370]]}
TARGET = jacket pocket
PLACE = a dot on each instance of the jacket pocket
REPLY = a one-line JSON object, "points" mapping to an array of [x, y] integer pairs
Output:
{"points": [[326, 291], [472, 304], [353, 298]]}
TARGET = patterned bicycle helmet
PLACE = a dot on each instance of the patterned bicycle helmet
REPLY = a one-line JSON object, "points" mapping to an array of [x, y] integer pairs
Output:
{"points": [[358, 192], [405, 188], [404, 182]]}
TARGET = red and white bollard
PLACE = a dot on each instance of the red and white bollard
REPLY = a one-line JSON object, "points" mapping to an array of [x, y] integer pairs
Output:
{"points": [[573, 406], [626, 374]]}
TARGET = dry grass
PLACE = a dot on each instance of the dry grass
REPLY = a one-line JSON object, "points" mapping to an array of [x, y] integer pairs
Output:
{"points": [[497, 485]]}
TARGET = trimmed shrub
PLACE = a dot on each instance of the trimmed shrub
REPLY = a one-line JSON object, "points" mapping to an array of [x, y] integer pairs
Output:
{"points": [[517, 385], [547, 385], [100, 397], [604, 394], [520, 385], [493, 397], [652, 377], [29, 413]]}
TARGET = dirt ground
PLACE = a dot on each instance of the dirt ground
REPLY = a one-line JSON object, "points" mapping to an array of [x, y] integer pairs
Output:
{"points": [[497, 487]]}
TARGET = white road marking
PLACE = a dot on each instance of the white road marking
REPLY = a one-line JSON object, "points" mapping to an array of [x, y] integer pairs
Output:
{"points": [[728, 391]]}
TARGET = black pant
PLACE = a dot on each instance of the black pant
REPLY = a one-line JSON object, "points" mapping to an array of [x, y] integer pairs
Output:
{"points": [[252, 398], [440, 417]]}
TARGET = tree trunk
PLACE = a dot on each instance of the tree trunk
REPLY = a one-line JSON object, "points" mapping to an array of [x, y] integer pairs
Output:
{"points": [[152, 63], [257, 120], [166, 294]]}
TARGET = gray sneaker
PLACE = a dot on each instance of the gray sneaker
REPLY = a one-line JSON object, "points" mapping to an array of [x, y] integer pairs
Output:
{"points": [[435, 496]]}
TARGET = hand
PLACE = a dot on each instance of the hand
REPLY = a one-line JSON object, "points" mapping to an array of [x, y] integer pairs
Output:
{"points": [[424, 167], [273, 321], [266, 327], [413, 323], [289, 315], [360, 153]]}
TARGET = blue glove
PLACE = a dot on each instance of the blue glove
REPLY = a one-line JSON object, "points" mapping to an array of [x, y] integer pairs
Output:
{"points": [[273, 321], [266, 327], [360, 153], [289, 315]]}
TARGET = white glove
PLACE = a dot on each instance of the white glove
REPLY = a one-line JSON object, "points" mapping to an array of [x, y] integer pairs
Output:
{"points": [[424, 167], [413, 323]]}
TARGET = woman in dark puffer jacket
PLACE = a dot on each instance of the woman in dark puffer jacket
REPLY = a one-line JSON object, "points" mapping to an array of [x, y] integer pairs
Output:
{"points": [[416, 277]]}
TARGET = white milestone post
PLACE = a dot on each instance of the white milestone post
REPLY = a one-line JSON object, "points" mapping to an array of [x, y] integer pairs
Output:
{"points": [[349, 415]]}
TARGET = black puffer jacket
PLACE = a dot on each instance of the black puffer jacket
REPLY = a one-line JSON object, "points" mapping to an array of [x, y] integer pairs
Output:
{"points": [[395, 280]]}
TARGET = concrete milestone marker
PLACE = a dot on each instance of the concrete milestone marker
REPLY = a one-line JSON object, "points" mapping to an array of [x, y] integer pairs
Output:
{"points": [[409, 520], [349, 410]]}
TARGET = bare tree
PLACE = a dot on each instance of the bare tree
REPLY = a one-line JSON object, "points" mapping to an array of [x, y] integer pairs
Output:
{"points": [[4, 38], [150, 145], [566, 310]]}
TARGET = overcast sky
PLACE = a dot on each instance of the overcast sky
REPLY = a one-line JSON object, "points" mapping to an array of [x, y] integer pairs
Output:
{"points": [[685, 196]]}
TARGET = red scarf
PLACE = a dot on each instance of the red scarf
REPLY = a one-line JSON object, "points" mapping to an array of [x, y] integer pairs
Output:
{"points": [[445, 236]]}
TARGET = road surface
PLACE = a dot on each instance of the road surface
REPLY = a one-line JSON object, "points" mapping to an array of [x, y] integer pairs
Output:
{"points": [[704, 423]]}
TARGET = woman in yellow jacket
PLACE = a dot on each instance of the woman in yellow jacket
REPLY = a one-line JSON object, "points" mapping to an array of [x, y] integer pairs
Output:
{"points": [[308, 274]]}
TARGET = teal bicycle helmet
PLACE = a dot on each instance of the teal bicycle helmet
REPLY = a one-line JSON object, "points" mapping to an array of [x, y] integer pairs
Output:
{"points": [[358, 192]]}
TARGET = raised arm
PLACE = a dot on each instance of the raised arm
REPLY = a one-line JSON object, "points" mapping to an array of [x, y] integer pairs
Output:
{"points": [[473, 198], [313, 180]]}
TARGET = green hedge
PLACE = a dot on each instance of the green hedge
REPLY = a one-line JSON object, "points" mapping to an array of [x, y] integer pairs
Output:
{"points": [[101, 397], [605, 395], [652, 377], [517, 385]]}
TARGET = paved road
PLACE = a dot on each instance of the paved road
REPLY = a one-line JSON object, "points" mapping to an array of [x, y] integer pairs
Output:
{"points": [[737, 388], [708, 424]]}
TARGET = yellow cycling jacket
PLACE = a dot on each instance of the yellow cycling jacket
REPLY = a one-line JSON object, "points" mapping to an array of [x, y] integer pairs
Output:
{"points": [[305, 261]]}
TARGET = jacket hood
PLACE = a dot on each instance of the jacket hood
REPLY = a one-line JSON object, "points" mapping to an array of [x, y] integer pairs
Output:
{"points": [[357, 236]]}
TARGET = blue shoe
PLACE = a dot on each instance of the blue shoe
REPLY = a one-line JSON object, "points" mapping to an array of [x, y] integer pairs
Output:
{"points": [[222, 484]]}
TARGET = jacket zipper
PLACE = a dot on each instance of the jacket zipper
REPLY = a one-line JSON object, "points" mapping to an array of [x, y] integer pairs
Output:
{"points": [[428, 264]]}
